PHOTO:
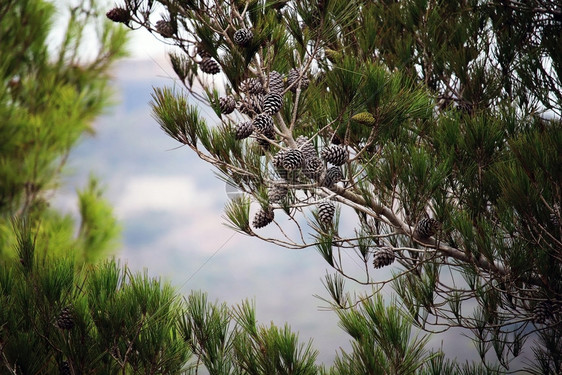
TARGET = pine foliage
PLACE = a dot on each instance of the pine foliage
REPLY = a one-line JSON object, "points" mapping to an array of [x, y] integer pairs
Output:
{"points": [[99, 319], [389, 348], [49, 98]]}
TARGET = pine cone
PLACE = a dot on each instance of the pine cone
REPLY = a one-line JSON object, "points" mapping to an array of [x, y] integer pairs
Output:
{"points": [[243, 37], [269, 133], [263, 123], [275, 83], [293, 80], [334, 154], [426, 228], [272, 103], [251, 86], [364, 118], [227, 104], [244, 130], [307, 147], [165, 29], [543, 312], [209, 66], [326, 211], [333, 176], [384, 256], [119, 15], [278, 159], [202, 52], [263, 218], [313, 168], [64, 368], [278, 191], [65, 320], [278, 164], [251, 105], [333, 55], [293, 159]]}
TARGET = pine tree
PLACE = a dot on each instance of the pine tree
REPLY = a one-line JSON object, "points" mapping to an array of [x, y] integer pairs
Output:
{"points": [[432, 112], [57, 317], [49, 98]]}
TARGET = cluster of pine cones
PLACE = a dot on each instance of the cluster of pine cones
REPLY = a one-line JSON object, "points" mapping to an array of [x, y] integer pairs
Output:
{"points": [[261, 98]]}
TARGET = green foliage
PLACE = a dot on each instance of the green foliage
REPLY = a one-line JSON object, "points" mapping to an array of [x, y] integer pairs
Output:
{"points": [[175, 117], [121, 322], [237, 212], [278, 350], [98, 228], [49, 98], [382, 341], [231, 341]]}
